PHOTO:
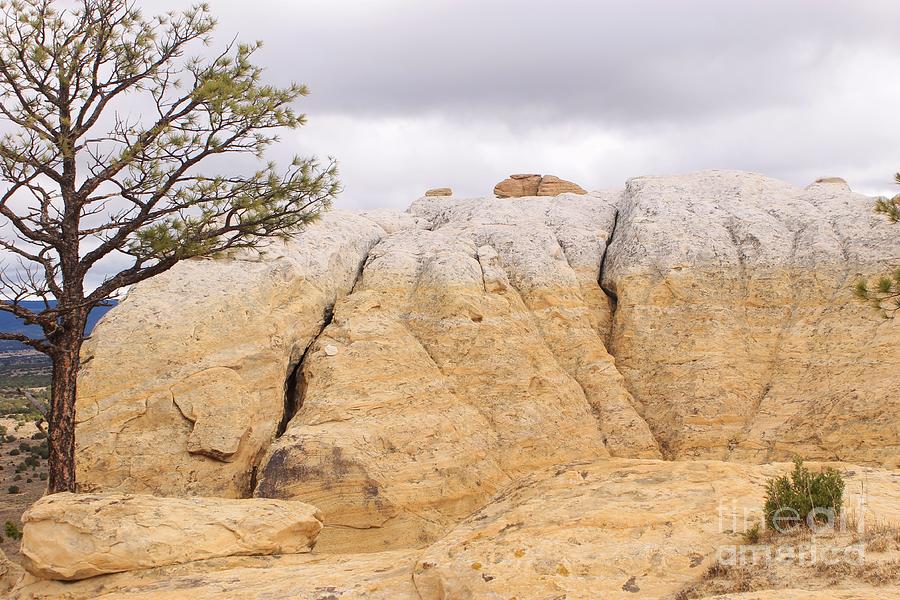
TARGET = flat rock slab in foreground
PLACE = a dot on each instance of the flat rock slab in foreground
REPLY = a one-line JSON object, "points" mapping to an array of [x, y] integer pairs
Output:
{"points": [[71, 536], [611, 529]]}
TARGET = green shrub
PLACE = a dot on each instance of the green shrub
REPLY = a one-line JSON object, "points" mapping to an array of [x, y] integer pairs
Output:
{"points": [[43, 476], [803, 497], [753, 534], [12, 530], [15, 452], [40, 435], [13, 489]]}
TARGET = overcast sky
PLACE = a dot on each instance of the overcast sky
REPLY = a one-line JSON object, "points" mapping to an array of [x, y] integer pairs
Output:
{"points": [[411, 94]]}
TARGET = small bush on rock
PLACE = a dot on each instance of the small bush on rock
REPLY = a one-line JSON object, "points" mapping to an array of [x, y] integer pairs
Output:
{"points": [[13, 489], [803, 498]]}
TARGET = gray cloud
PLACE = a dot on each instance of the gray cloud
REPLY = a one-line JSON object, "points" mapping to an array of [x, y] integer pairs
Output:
{"points": [[619, 63], [410, 94]]}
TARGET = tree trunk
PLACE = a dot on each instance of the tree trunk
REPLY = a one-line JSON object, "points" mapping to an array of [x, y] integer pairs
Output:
{"points": [[61, 420]]}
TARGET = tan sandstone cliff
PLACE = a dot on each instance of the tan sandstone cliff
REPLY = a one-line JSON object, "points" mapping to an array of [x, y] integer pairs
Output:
{"points": [[479, 390]]}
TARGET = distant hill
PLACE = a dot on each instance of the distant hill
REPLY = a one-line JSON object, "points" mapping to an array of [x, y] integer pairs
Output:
{"points": [[10, 323], [20, 365]]}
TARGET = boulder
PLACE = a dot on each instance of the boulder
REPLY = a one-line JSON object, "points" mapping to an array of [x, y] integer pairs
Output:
{"points": [[76, 536], [373, 576], [554, 186], [736, 329], [439, 192], [835, 181], [517, 186]]}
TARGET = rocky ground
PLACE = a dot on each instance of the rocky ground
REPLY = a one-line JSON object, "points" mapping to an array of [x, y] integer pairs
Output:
{"points": [[23, 473]]}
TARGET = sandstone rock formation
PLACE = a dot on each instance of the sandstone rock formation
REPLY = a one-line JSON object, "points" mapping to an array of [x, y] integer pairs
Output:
{"points": [[10, 573], [439, 192], [838, 181], [76, 536], [735, 326], [374, 576], [420, 438], [613, 528], [518, 186], [450, 384], [552, 185], [205, 351]]}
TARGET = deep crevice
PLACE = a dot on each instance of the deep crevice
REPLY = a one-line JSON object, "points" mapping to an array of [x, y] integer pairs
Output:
{"points": [[613, 297], [295, 383]]}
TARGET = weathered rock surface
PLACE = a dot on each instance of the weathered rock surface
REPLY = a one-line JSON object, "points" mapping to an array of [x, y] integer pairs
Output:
{"points": [[518, 186], [855, 593], [736, 329], [551, 185], [377, 576], [10, 573], [439, 192], [613, 528], [76, 536], [396, 453], [183, 385]]}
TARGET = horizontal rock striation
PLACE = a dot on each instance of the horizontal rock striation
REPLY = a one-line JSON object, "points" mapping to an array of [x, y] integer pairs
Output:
{"points": [[523, 185]]}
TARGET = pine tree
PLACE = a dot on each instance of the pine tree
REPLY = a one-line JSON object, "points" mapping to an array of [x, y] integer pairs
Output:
{"points": [[112, 154]]}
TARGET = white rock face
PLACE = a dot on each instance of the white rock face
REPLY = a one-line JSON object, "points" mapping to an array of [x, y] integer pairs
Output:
{"points": [[74, 536], [736, 329]]}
